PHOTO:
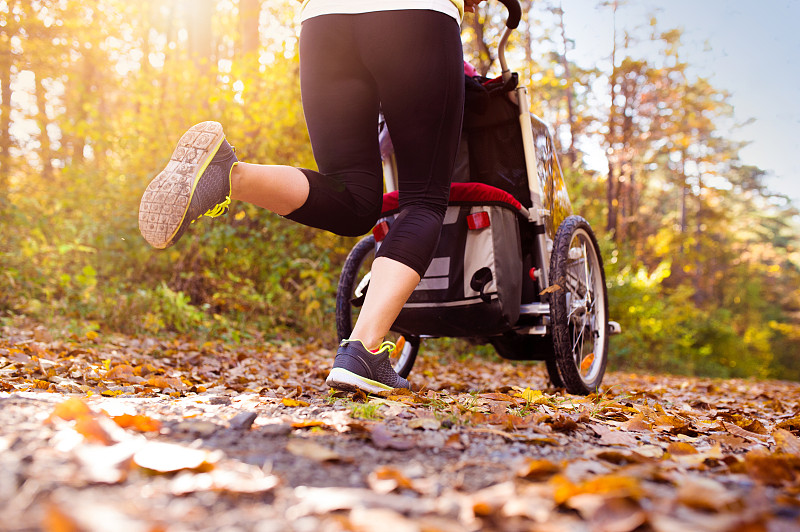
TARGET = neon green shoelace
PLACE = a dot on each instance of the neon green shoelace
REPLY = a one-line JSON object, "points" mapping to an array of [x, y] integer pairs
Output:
{"points": [[219, 209], [386, 345]]}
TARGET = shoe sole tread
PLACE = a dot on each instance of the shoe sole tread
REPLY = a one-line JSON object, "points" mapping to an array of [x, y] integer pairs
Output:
{"points": [[163, 208]]}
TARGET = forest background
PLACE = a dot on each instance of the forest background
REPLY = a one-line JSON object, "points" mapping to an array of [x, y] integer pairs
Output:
{"points": [[701, 258]]}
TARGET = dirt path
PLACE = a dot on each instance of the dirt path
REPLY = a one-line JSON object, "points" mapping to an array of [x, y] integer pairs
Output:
{"points": [[138, 434]]}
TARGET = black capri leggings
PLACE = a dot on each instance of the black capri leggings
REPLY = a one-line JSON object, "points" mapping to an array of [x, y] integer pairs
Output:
{"points": [[409, 64]]}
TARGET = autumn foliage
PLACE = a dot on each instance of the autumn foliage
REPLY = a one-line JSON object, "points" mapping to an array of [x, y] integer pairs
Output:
{"points": [[701, 258]]}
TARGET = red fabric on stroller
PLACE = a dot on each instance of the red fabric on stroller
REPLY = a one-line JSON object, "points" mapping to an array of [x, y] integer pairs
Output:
{"points": [[460, 193]]}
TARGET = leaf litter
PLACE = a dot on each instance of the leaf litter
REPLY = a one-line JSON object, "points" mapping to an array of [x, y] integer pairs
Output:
{"points": [[154, 434]]}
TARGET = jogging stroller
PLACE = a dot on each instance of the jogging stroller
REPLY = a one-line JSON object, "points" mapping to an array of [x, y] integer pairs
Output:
{"points": [[514, 266]]}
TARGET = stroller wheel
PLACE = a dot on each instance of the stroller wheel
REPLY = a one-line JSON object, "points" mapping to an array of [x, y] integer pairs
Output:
{"points": [[350, 293], [578, 307]]}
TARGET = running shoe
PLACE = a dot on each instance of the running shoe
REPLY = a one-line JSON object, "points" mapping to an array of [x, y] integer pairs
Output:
{"points": [[358, 368], [195, 183]]}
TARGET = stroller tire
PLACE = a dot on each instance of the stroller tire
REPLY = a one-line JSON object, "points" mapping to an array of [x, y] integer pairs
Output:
{"points": [[578, 307], [353, 284]]}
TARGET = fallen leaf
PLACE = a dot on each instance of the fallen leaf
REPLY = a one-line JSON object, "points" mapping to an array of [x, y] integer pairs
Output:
{"points": [[169, 457], [314, 451], [742, 433], [680, 448], [137, 422], [536, 469], [235, 478], [550, 289], [786, 442], [70, 410], [791, 424], [387, 479], [121, 372], [293, 402], [609, 485], [564, 424], [619, 515], [637, 424], [586, 363], [308, 423], [426, 422], [532, 396], [92, 430], [772, 469], [623, 457], [609, 436], [705, 494], [159, 381], [504, 397], [56, 520]]}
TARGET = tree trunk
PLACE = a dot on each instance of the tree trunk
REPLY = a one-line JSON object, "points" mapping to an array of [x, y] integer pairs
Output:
{"points": [[570, 156], [45, 152], [700, 293], [485, 58], [612, 184], [684, 192], [249, 12], [200, 36], [7, 31], [5, 123], [611, 198]]}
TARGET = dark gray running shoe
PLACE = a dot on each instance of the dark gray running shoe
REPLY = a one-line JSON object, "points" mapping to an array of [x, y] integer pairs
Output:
{"points": [[357, 368], [195, 183]]}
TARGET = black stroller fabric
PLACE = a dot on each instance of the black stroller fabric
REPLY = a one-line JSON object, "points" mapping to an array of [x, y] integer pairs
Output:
{"points": [[492, 134]]}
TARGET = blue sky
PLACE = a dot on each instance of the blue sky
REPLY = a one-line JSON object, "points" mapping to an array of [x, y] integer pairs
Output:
{"points": [[751, 49]]}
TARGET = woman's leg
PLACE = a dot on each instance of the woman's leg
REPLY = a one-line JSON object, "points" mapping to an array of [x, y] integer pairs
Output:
{"points": [[281, 189], [419, 74]]}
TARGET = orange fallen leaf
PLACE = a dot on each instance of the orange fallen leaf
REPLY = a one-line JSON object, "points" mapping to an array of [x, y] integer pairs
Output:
{"points": [[401, 342], [121, 372], [742, 433], [791, 424], [608, 485], [159, 381], [772, 469], [137, 422], [499, 397], [293, 402], [535, 469], [387, 479], [636, 424], [679, 448], [308, 424], [786, 442], [41, 385], [70, 410], [92, 430], [56, 520], [550, 290]]}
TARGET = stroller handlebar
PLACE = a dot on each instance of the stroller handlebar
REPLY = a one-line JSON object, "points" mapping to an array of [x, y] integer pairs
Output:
{"points": [[514, 16], [514, 13]]}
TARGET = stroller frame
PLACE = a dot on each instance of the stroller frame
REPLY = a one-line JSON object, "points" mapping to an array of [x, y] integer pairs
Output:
{"points": [[567, 325]]}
